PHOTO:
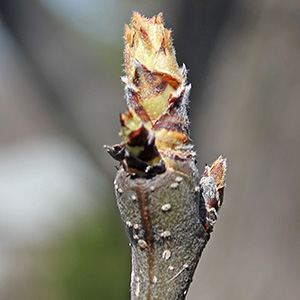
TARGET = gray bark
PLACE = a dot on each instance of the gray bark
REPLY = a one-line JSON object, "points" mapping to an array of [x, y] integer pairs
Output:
{"points": [[162, 220]]}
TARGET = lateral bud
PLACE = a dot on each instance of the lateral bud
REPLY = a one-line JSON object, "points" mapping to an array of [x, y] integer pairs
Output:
{"points": [[141, 154], [212, 185]]}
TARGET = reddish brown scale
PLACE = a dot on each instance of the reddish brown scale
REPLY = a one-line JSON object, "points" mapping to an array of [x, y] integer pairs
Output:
{"points": [[146, 37], [161, 86], [166, 122], [171, 119], [138, 137], [162, 47], [218, 173], [149, 153], [173, 82], [152, 83], [135, 104], [133, 39]]}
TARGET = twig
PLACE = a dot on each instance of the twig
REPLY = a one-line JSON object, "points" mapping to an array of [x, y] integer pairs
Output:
{"points": [[167, 210]]}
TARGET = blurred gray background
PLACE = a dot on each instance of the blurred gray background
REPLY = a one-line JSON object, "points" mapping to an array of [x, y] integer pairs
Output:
{"points": [[60, 97]]}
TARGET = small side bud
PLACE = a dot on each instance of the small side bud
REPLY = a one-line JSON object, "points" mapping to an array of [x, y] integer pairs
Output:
{"points": [[141, 153], [212, 190]]}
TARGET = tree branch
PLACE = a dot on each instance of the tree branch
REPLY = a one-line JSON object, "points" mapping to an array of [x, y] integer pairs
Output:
{"points": [[168, 211]]}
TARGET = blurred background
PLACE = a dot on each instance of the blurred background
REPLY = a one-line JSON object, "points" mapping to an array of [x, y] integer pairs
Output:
{"points": [[60, 97]]}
